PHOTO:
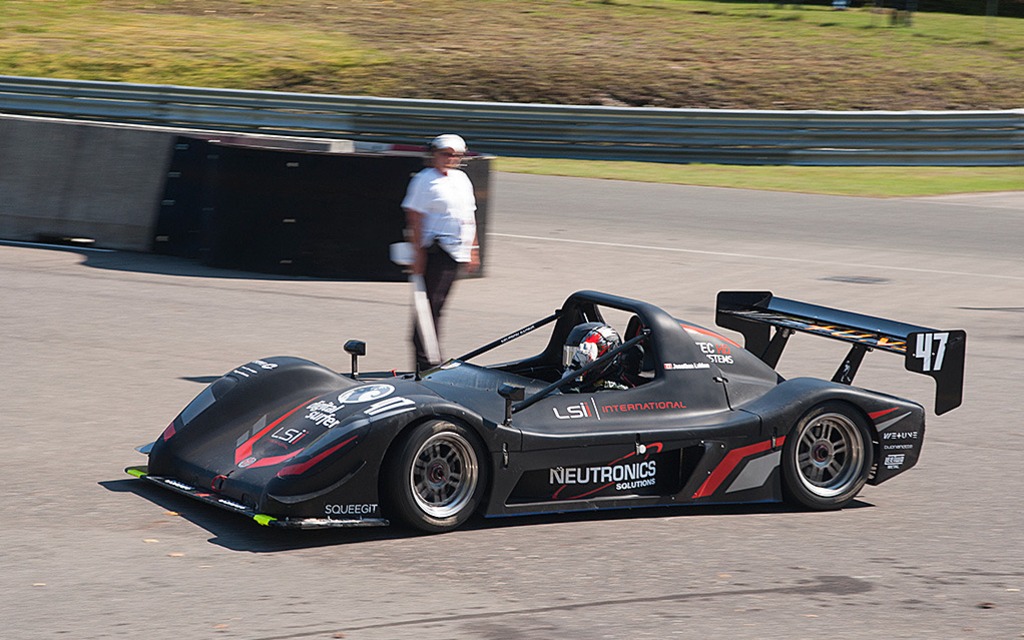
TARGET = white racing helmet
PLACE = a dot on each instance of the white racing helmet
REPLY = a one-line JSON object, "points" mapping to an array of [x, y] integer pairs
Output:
{"points": [[586, 343]]}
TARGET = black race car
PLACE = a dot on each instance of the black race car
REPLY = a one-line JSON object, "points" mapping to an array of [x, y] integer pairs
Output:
{"points": [[695, 419]]}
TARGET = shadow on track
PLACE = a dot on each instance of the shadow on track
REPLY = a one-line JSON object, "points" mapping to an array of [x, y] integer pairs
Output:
{"points": [[135, 262], [237, 534]]}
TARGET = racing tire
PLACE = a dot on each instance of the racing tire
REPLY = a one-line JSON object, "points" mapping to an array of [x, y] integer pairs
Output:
{"points": [[438, 476], [827, 457]]}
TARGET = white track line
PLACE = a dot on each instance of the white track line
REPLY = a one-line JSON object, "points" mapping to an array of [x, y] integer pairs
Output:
{"points": [[723, 254], [43, 245]]}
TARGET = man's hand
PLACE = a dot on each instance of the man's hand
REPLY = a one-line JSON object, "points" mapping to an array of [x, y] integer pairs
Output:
{"points": [[419, 263]]}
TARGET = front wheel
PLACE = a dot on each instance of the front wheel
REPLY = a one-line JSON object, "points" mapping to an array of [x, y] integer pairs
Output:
{"points": [[827, 457], [438, 476]]}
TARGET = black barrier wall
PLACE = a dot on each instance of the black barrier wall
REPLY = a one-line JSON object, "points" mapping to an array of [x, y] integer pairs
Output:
{"points": [[295, 212]]}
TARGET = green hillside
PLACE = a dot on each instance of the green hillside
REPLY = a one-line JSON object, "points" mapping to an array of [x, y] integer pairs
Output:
{"points": [[673, 53]]}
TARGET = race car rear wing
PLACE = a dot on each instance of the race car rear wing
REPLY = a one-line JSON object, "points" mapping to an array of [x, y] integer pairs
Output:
{"points": [[935, 353]]}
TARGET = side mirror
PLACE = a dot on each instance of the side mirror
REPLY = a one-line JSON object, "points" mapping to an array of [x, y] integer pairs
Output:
{"points": [[355, 348], [511, 393]]}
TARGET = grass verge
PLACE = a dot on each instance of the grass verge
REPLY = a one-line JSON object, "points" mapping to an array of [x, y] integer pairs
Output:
{"points": [[884, 182]]}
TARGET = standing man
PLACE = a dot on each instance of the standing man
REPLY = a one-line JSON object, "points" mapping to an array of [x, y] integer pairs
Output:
{"points": [[440, 213]]}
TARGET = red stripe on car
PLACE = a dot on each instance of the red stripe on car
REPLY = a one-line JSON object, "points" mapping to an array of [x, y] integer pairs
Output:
{"points": [[710, 334], [267, 462], [302, 467], [729, 463]]}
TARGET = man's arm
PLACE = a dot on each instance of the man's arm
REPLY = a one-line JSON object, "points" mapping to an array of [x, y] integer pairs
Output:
{"points": [[414, 223], [474, 256]]}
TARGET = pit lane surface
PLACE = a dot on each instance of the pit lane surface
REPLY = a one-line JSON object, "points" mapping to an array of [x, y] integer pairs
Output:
{"points": [[101, 350]]}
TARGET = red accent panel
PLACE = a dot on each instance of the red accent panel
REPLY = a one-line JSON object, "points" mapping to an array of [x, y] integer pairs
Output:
{"points": [[710, 334], [730, 462], [267, 462], [168, 432], [879, 414], [302, 467], [244, 451]]}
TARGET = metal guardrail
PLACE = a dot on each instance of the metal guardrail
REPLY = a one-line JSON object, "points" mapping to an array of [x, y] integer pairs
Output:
{"points": [[965, 138]]}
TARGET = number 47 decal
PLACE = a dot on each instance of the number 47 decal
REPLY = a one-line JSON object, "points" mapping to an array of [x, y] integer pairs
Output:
{"points": [[931, 349]]}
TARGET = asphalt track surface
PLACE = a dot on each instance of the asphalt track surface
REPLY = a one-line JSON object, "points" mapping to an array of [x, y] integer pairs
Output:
{"points": [[101, 350]]}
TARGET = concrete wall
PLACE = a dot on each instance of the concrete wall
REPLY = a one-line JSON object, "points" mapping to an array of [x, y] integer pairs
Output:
{"points": [[118, 185], [60, 178]]}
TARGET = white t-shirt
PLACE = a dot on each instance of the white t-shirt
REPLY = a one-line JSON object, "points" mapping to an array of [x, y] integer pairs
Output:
{"points": [[448, 207]]}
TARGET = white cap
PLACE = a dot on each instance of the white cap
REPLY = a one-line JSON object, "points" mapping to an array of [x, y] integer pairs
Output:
{"points": [[449, 141]]}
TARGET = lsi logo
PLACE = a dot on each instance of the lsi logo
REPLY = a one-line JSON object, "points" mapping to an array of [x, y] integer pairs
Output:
{"points": [[576, 411], [291, 436]]}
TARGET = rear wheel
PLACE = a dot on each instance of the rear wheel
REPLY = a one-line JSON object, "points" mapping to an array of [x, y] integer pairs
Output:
{"points": [[438, 476], [827, 457]]}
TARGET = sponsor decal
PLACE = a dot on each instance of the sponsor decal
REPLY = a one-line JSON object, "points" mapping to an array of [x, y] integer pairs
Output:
{"points": [[892, 344], [894, 460], [322, 413], [835, 331], [350, 509], [897, 447], [900, 435], [620, 474], [247, 462], [366, 393], [576, 411], [686, 366], [246, 371], [643, 406], [289, 436], [717, 353], [626, 476], [391, 406]]}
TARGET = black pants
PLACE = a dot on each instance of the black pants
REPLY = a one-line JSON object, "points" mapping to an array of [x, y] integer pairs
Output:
{"points": [[438, 277]]}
